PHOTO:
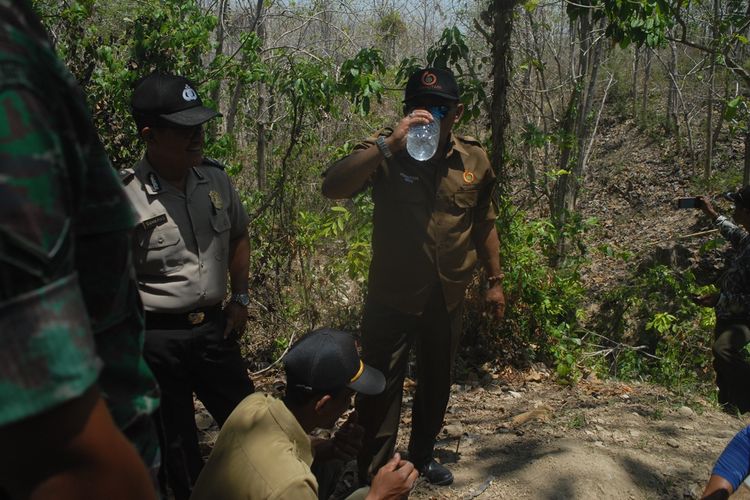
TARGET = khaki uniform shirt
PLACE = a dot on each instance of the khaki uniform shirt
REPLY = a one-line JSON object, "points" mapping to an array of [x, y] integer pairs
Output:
{"points": [[262, 453], [181, 243], [424, 216]]}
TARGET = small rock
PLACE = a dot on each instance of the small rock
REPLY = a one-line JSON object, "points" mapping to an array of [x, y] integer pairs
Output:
{"points": [[673, 443], [203, 421], [452, 430], [514, 394], [686, 411]]}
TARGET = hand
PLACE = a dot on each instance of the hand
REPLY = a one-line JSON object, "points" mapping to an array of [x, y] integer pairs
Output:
{"points": [[347, 442], [495, 300], [708, 300], [704, 203], [236, 315], [397, 140], [394, 480]]}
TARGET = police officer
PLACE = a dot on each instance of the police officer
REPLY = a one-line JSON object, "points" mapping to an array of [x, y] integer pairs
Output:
{"points": [[432, 220], [192, 231]]}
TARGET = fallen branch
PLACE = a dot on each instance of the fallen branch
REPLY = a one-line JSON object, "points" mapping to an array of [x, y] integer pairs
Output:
{"points": [[701, 233]]}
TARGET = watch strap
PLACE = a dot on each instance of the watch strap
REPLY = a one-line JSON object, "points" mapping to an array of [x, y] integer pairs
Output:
{"points": [[383, 147]]}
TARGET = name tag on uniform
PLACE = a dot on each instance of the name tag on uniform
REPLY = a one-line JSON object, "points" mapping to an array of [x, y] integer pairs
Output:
{"points": [[154, 221]]}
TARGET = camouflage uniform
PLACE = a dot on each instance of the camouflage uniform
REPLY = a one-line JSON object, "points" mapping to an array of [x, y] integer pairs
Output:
{"points": [[733, 321], [70, 314]]}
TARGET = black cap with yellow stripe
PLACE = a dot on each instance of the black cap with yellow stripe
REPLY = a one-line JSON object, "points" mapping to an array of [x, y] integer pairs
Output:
{"points": [[327, 360]]}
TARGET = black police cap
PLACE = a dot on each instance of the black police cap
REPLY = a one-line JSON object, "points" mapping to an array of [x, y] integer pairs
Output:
{"points": [[326, 360], [432, 82], [173, 99]]}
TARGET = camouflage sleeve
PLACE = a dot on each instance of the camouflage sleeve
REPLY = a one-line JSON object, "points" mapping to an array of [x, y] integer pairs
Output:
{"points": [[48, 354], [731, 232], [734, 300]]}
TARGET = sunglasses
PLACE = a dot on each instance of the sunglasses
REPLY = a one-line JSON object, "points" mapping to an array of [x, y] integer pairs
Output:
{"points": [[442, 110]]}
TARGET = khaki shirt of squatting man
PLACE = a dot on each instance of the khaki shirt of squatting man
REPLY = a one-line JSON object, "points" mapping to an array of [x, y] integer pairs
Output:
{"points": [[181, 243]]}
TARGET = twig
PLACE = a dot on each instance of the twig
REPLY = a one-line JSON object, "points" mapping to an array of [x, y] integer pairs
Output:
{"points": [[291, 342], [701, 233], [480, 489]]}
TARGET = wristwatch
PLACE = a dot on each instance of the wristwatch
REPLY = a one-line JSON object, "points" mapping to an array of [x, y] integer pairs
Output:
{"points": [[242, 299], [383, 147]]}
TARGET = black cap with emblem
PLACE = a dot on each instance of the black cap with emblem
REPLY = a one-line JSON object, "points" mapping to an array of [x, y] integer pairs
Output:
{"points": [[432, 81], [172, 99]]}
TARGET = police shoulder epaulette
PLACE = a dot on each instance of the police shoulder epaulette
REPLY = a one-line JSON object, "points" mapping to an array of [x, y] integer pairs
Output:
{"points": [[126, 175], [213, 163], [385, 132], [469, 140]]}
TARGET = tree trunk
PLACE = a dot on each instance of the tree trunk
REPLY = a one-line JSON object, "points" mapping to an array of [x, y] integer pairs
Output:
{"points": [[216, 92], [502, 15], [746, 170], [646, 81], [671, 118], [634, 90], [575, 130]]}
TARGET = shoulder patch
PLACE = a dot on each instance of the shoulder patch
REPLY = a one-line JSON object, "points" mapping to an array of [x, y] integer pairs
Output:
{"points": [[126, 175], [213, 163]]}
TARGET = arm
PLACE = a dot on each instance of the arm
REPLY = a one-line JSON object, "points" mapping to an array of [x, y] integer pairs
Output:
{"points": [[730, 231], [58, 438], [487, 244], [732, 466], [347, 176], [239, 267], [73, 451]]}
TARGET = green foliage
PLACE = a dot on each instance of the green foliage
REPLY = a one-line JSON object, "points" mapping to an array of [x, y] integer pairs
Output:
{"points": [[545, 304], [358, 79], [672, 339], [643, 22]]}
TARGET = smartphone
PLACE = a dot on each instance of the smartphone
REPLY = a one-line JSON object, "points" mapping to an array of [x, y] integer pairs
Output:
{"points": [[691, 202]]}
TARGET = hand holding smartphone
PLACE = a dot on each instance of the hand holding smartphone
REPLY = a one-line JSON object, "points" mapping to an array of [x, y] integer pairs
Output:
{"points": [[688, 202]]}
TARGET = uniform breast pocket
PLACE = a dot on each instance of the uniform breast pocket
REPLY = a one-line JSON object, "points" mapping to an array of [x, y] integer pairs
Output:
{"points": [[160, 250], [466, 198], [221, 224]]}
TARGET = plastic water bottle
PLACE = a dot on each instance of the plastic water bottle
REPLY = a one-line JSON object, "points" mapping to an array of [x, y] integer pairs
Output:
{"points": [[422, 139]]}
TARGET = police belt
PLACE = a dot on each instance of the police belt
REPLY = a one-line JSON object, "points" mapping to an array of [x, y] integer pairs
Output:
{"points": [[182, 321]]}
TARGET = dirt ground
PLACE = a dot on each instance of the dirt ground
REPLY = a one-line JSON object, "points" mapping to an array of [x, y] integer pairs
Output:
{"points": [[522, 435], [543, 441]]}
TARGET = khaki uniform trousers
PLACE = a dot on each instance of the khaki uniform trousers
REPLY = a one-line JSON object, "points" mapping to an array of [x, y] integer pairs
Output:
{"points": [[387, 339]]}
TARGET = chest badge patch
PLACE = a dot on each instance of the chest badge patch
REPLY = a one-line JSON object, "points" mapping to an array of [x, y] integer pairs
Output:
{"points": [[411, 179], [216, 200], [469, 177]]}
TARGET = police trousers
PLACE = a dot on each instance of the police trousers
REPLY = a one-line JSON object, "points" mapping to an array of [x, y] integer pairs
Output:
{"points": [[731, 364], [387, 339], [187, 360]]}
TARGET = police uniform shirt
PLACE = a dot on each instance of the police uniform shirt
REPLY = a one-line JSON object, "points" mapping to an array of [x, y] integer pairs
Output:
{"points": [[423, 220], [181, 243]]}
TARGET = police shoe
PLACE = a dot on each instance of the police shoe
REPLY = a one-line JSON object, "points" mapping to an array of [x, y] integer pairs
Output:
{"points": [[436, 473]]}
